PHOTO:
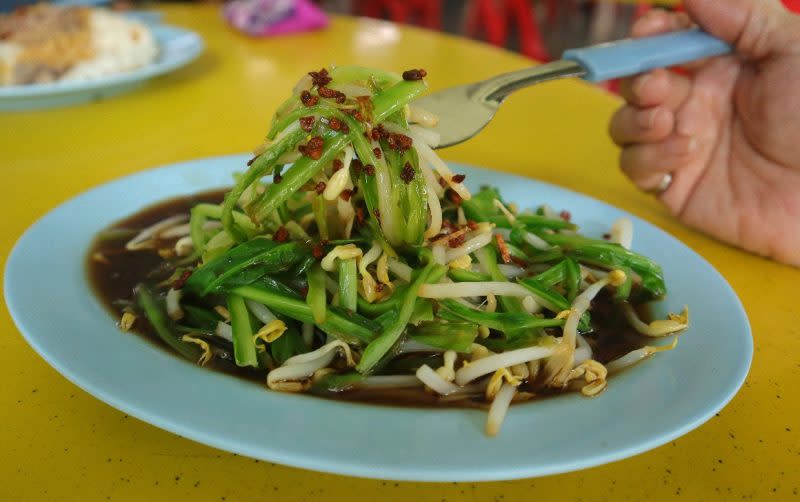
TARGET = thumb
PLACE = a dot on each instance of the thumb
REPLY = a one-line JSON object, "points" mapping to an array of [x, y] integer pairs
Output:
{"points": [[756, 28]]}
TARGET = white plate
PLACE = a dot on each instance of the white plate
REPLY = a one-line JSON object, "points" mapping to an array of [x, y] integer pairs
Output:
{"points": [[644, 407], [177, 47]]}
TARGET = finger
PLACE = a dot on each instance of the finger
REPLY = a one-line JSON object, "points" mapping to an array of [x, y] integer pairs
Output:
{"points": [[631, 124], [656, 88], [646, 164], [757, 29], [658, 21]]}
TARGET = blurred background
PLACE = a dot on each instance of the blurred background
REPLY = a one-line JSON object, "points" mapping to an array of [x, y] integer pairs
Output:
{"points": [[539, 29]]}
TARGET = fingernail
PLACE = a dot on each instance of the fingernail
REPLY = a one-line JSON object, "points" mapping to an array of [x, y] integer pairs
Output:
{"points": [[647, 24], [647, 19], [640, 82], [647, 118], [678, 21], [639, 26]]}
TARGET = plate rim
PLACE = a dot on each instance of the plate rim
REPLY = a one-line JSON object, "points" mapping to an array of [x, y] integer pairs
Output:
{"points": [[354, 468], [161, 32]]}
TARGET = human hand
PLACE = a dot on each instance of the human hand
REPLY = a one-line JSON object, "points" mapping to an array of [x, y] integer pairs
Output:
{"points": [[728, 132]]}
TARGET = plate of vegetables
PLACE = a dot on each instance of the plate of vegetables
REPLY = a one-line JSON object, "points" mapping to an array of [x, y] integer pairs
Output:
{"points": [[345, 301]]}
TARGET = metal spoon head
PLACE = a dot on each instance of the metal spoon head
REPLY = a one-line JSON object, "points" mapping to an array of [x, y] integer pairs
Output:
{"points": [[462, 112]]}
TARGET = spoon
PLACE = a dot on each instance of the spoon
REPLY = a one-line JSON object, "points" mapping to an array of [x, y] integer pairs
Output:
{"points": [[466, 109]]}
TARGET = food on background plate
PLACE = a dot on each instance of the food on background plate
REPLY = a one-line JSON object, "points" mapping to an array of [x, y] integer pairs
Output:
{"points": [[48, 43], [349, 261]]}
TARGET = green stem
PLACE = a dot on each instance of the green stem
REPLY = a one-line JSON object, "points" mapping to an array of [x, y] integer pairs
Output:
{"points": [[297, 176], [155, 313], [244, 347], [509, 323], [533, 221], [260, 167], [316, 292], [461, 275], [552, 275], [349, 74], [344, 326], [488, 258], [320, 210], [549, 298], [238, 265], [196, 231], [378, 348], [456, 336], [572, 278], [611, 256], [395, 98], [348, 284]]}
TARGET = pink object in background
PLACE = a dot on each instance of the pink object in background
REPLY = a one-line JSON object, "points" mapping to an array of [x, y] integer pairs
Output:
{"points": [[265, 18]]}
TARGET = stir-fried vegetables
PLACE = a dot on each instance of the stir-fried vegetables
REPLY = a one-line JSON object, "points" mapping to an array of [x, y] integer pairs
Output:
{"points": [[349, 256]]}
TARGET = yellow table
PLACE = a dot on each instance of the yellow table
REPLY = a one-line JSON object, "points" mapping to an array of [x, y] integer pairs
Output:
{"points": [[56, 442]]}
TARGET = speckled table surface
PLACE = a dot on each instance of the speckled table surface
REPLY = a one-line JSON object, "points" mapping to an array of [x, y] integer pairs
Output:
{"points": [[59, 443]]}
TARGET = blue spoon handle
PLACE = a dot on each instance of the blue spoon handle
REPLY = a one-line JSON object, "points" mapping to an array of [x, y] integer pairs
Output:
{"points": [[631, 56]]}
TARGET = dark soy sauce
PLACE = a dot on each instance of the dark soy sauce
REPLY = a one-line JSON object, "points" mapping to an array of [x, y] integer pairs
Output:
{"points": [[114, 276]]}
